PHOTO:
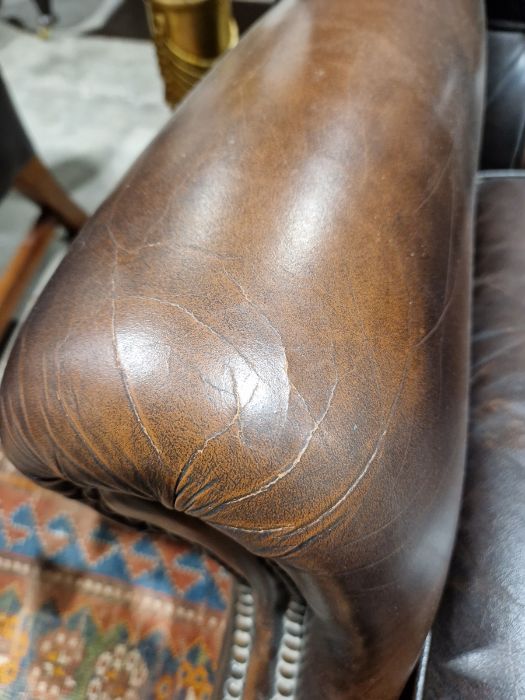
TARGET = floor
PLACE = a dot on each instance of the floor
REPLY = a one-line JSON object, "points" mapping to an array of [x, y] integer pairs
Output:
{"points": [[90, 104], [71, 16], [90, 609]]}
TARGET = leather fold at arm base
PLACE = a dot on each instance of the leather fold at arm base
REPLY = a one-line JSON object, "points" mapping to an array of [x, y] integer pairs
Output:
{"points": [[266, 326]]}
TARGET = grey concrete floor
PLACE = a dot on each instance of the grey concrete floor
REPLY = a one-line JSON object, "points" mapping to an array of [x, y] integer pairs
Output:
{"points": [[90, 106], [72, 16]]}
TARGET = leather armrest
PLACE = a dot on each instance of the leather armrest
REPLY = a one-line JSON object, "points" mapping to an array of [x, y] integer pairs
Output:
{"points": [[266, 327]]}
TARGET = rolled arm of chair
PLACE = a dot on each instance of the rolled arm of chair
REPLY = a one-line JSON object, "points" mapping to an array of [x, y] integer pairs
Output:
{"points": [[266, 326]]}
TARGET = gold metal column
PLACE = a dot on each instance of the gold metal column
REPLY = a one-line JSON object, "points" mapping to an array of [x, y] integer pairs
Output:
{"points": [[189, 36]]}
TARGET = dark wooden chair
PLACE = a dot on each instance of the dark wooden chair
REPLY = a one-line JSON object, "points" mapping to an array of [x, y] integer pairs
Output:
{"points": [[22, 169]]}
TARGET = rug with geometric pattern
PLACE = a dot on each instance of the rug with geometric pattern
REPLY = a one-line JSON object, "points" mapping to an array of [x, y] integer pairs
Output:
{"points": [[93, 610]]}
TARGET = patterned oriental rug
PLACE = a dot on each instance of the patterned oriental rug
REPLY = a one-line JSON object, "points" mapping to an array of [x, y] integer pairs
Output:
{"points": [[91, 610]]}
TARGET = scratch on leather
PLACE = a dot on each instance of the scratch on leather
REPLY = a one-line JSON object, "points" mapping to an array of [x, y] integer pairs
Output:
{"points": [[297, 459], [202, 323], [214, 436], [77, 429], [291, 529], [166, 209], [125, 382], [220, 389], [373, 455], [437, 180], [250, 301]]}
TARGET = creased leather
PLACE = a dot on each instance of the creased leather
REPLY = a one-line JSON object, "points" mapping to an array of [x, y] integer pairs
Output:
{"points": [[478, 642], [266, 326]]}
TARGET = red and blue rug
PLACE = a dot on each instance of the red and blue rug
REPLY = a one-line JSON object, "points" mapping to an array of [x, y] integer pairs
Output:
{"points": [[91, 610]]}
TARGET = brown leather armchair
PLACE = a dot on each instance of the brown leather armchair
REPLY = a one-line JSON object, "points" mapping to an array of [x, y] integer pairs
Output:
{"points": [[261, 344]]}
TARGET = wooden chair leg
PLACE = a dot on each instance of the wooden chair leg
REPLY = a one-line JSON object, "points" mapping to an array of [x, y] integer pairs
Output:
{"points": [[37, 183], [21, 267]]}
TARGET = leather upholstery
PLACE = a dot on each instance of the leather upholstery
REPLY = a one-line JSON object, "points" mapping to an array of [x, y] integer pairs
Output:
{"points": [[478, 641], [504, 129], [266, 328]]}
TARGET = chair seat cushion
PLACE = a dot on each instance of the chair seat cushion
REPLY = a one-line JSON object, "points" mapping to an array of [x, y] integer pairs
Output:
{"points": [[478, 642], [92, 609]]}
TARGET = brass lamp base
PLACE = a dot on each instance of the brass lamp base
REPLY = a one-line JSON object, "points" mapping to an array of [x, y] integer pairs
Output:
{"points": [[189, 36]]}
